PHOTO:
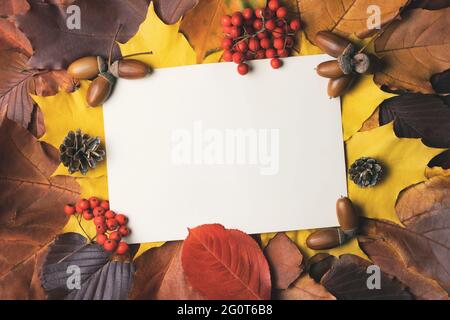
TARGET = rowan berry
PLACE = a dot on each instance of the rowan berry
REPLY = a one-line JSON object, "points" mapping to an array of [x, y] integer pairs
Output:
{"points": [[270, 53], [227, 55], [122, 248], [265, 43], [247, 13], [105, 204], [110, 214], [278, 43], [110, 245], [237, 19], [115, 235], [237, 57], [121, 219], [242, 69], [69, 209], [276, 63], [101, 238], [98, 211], [225, 21], [281, 12], [112, 224], [94, 202], [124, 231], [87, 215], [83, 204], [226, 43]]}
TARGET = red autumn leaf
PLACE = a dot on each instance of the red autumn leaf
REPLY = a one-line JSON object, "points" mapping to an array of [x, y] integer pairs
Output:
{"points": [[225, 264], [12, 38]]}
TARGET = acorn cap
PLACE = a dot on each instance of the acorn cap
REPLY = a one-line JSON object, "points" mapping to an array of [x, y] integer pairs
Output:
{"points": [[345, 60], [102, 65], [114, 68], [109, 77]]}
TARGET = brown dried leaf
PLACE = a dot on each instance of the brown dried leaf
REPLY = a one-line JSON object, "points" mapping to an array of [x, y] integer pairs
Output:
{"points": [[49, 83], [37, 125], [347, 280], [345, 17], [160, 276], [305, 288], [170, 11], [13, 7], [31, 203], [431, 4], [285, 261], [319, 264], [12, 38], [419, 40]]}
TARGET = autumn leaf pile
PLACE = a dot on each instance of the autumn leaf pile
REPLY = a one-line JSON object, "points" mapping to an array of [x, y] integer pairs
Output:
{"points": [[399, 116]]}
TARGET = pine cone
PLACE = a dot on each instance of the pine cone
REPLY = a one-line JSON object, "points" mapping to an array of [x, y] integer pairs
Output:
{"points": [[365, 172], [79, 152]]}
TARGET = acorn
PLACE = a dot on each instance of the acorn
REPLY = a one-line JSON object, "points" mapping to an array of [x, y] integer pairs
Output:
{"points": [[87, 68], [100, 89], [331, 43], [129, 69], [326, 239], [338, 87], [329, 69], [347, 216]]}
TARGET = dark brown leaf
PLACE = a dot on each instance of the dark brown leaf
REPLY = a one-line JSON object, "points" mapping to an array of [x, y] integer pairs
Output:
{"points": [[31, 203], [285, 261], [319, 264], [170, 11], [441, 160], [418, 116], [36, 125], [430, 4], [160, 276], [102, 276], [13, 7], [56, 46], [441, 82], [347, 280], [305, 288]]}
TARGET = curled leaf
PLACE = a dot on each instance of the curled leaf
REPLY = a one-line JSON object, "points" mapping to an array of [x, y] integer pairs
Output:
{"points": [[170, 11], [305, 288]]}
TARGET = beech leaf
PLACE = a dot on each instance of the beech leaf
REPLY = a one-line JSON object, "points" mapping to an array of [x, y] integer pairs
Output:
{"points": [[420, 40], [347, 280], [225, 264], [102, 277], [345, 17], [56, 45], [13, 38], [170, 11], [13, 7], [418, 116], [305, 288], [285, 260], [160, 276], [31, 203]]}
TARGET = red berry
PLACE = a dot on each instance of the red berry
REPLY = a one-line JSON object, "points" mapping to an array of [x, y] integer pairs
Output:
{"points": [[265, 43], [258, 24], [281, 12], [225, 21], [242, 46], [94, 202], [124, 231], [83, 204], [253, 44], [237, 57], [121, 219], [262, 35], [100, 229], [242, 69], [270, 25], [236, 19], [101, 238], [278, 43], [275, 63], [273, 5], [87, 215], [115, 235], [227, 55], [260, 54], [78, 209], [235, 32], [69, 209], [110, 214], [226, 43], [122, 248], [277, 32], [270, 53], [227, 30], [111, 224], [259, 13], [99, 220], [283, 53], [105, 204], [110, 245], [295, 25], [98, 211], [247, 13]]}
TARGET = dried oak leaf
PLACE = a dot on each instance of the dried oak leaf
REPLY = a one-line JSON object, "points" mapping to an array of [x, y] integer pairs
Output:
{"points": [[12, 38], [30, 207], [170, 11], [420, 39], [418, 116], [345, 17], [422, 247], [305, 288], [285, 260], [102, 276], [160, 276], [13, 7], [347, 280], [55, 45], [225, 264], [202, 25], [441, 82]]}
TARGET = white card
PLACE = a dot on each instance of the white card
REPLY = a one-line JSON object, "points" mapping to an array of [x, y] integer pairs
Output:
{"points": [[201, 144]]}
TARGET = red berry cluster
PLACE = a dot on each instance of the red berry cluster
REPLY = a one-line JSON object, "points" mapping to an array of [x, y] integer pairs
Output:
{"points": [[258, 34], [110, 226]]}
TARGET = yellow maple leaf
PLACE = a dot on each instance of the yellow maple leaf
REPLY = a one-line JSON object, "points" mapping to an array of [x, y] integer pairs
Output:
{"points": [[404, 161]]}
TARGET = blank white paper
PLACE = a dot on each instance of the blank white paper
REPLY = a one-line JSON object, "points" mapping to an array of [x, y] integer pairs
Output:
{"points": [[201, 144]]}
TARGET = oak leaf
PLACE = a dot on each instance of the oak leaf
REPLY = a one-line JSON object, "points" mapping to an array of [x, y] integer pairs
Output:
{"points": [[31, 203], [170, 11], [225, 264], [305, 288], [346, 17], [420, 40]]}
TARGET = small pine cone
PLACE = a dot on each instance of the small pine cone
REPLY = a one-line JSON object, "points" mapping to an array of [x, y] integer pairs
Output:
{"points": [[80, 152], [365, 172]]}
